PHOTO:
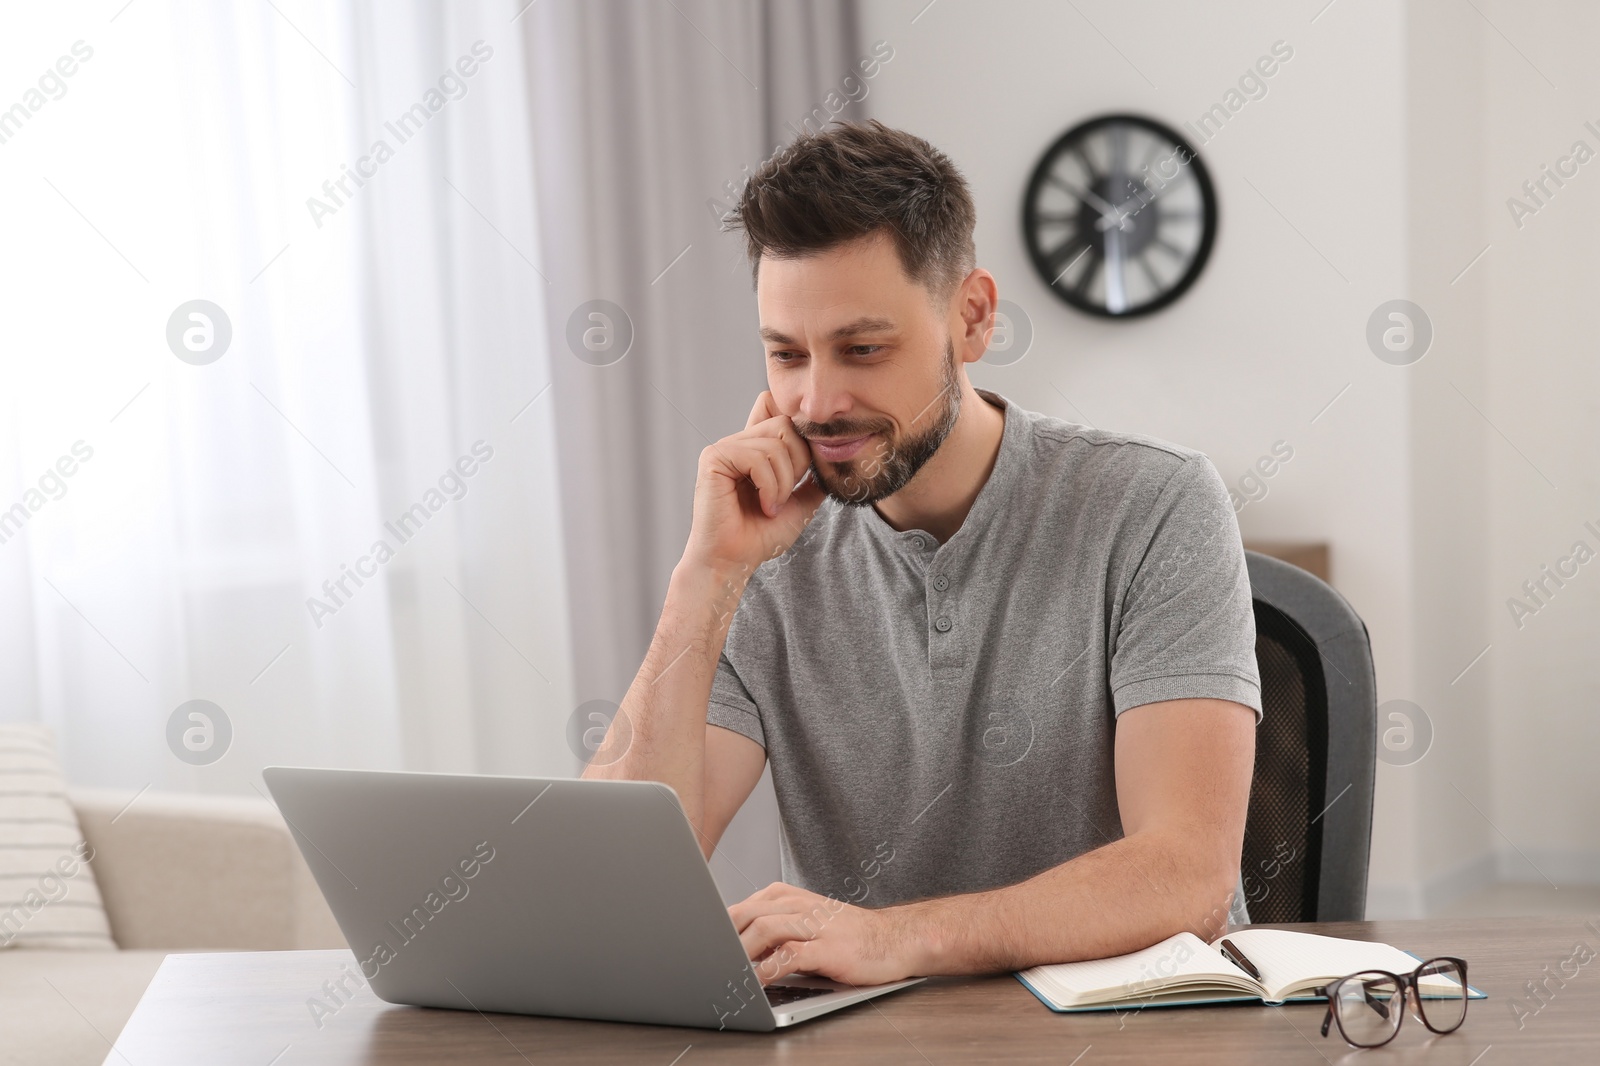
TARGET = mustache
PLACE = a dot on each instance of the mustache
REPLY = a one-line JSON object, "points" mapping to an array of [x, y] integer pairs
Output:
{"points": [[840, 430]]}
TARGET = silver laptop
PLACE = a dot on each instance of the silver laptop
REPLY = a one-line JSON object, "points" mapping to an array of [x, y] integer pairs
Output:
{"points": [[576, 899]]}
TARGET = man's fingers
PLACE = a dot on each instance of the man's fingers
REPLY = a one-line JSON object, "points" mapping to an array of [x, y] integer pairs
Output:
{"points": [[766, 419], [784, 960], [770, 931], [795, 903], [778, 897], [762, 459], [782, 429], [784, 471], [767, 483], [764, 409]]}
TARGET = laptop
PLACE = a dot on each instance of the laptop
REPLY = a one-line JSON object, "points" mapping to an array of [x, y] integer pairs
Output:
{"points": [[560, 897]]}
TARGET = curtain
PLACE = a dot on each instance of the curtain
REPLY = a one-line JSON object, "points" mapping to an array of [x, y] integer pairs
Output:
{"points": [[383, 338], [647, 118]]}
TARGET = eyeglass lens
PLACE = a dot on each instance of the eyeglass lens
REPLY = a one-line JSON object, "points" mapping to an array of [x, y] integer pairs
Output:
{"points": [[1441, 994], [1368, 1008]]}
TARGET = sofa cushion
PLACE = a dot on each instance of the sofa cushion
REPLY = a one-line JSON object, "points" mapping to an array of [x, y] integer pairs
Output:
{"points": [[48, 894], [184, 872], [61, 1008]]}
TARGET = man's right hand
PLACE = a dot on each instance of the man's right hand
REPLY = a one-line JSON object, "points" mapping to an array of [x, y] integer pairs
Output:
{"points": [[747, 508]]}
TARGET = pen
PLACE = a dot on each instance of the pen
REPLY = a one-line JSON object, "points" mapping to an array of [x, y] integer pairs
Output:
{"points": [[1235, 956]]}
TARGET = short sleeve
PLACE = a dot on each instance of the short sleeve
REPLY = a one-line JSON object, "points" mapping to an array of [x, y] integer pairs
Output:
{"points": [[1187, 626], [731, 706]]}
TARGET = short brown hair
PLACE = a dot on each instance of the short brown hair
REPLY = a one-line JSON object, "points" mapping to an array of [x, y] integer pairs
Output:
{"points": [[852, 179]]}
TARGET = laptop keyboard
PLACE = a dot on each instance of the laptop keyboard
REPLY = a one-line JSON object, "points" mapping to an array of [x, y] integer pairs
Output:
{"points": [[782, 995]]}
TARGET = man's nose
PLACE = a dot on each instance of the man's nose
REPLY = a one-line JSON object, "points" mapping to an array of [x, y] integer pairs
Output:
{"points": [[825, 398]]}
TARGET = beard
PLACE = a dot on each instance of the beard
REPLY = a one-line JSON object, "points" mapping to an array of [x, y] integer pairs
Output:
{"points": [[862, 481]]}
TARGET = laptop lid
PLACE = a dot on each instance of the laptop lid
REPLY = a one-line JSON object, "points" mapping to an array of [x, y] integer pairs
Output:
{"points": [[571, 898]]}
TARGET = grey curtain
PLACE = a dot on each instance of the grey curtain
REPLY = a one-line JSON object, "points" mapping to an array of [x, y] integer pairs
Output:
{"points": [[647, 116]]}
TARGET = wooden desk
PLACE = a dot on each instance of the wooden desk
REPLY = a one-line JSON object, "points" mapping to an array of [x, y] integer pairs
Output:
{"points": [[246, 1008], [1311, 556]]}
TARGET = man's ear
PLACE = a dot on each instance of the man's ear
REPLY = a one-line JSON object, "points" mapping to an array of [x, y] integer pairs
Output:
{"points": [[972, 309]]}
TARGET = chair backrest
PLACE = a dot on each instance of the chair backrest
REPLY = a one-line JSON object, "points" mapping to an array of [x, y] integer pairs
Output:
{"points": [[1309, 830]]}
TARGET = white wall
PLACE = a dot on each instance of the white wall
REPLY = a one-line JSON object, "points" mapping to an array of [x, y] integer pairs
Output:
{"points": [[1444, 145], [1543, 392], [1385, 146]]}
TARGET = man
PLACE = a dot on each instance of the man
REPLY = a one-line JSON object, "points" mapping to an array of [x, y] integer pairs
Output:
{"points": [[1002, 665]]}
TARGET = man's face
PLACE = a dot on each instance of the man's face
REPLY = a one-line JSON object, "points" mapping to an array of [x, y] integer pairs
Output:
{"points": [[862, 362]]}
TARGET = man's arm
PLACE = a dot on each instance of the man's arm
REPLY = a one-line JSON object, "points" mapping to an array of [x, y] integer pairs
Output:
{"points": [[747, 509], [733, 766], [1183, 770], [1183, 787], [663, 731]]}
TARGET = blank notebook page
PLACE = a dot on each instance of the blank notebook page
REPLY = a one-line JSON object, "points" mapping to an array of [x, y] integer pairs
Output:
{"points": [[1285, 958], [1184, 955]]}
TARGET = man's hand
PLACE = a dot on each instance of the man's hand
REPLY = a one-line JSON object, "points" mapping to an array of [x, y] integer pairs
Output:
{"points": [[747, 508], [787, 930]]}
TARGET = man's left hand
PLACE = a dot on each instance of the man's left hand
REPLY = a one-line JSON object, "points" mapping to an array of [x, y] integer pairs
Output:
{"points": [[787, 930]]}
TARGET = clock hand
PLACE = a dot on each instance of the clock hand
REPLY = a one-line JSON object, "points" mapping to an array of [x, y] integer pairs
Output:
{"points": [[1119, 221], [1098, 204], [1089, 197]]}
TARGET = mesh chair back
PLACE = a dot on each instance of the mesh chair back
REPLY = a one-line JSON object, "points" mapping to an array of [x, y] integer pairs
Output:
{"points": [[1309, 830]]}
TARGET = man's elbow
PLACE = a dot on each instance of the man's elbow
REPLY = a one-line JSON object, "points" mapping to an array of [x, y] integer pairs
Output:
{"points": [[1209, 891], [1204, 877]]}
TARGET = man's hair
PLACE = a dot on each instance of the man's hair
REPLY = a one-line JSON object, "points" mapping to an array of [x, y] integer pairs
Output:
{"points": [[852, 179]]}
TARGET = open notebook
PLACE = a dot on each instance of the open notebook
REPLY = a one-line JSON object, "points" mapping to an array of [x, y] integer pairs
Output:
{"points": [[1185, 970]]}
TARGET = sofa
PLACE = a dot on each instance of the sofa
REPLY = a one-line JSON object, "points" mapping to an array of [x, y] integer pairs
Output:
{"points": [[177, 872]]}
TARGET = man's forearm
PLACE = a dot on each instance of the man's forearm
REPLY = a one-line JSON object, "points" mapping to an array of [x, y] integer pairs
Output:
{"points": [[1118, 898], [662, 720]]}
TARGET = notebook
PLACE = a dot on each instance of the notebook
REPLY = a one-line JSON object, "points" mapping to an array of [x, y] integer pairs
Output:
{"points": [[1184, 970]]}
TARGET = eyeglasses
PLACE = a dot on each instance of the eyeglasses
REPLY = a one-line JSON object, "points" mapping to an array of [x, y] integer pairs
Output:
{"points": [[1369, 1006]]}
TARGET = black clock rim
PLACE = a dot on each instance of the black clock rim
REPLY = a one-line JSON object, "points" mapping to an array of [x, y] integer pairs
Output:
{"points": [[1208, 200]]}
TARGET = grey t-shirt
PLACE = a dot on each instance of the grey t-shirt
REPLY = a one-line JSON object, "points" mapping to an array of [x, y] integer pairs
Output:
{"points": [[938, 718]]}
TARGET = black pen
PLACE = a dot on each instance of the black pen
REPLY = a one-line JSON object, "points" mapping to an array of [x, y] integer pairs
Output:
{"points": [[1235, 956]]}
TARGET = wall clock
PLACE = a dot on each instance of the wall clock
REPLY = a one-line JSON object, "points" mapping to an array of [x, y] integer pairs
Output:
{"points": [[1119, 216]]}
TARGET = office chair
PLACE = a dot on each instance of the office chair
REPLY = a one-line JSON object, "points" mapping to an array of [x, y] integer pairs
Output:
{"points": [[1309, 829]]}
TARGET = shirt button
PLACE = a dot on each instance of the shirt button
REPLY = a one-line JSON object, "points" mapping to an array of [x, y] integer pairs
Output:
{"points": [[941, 582], [918, 543], [942, 624]]}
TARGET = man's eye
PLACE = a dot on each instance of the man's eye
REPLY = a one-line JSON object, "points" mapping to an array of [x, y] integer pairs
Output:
{"points": [[864, 349], [783, 357]]}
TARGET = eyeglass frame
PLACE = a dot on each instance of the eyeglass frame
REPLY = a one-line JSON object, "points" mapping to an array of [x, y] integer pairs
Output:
{"points": [[1403, 983]]}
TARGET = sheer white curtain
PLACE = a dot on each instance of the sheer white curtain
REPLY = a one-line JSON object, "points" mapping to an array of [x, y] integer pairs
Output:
{"points": [[377, 337], [648, 117]]}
